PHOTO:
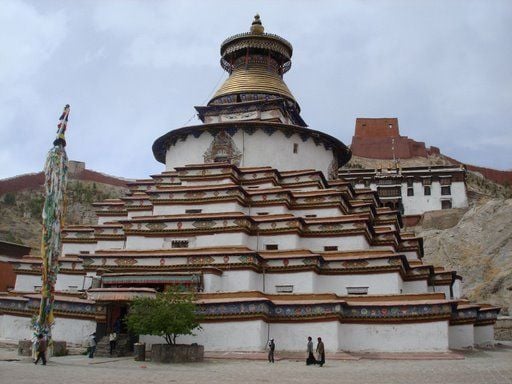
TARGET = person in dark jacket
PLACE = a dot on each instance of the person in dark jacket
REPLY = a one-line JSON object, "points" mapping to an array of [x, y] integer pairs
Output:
{"points": [[41, 349], [271, 349], [320, 350]]}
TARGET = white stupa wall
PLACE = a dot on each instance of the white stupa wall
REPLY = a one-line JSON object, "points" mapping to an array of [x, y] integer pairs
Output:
{"points": [[407, 337], [483, 335], [461, 336], [27, 283], [74, 331], [233, 336], [257, 150], [415, 286]]}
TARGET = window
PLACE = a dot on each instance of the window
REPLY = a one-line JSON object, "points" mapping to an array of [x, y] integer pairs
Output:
{"points": [[410, 182], [427, 181], [328, 248], [193, 210], [447, 190], [446, 204], [295, 148], [445, 180], [179, 244], [262, 213], [310, 215], [410, 192], [84, 252], [357, 290], [284, 288], [221, 159], [390, 126], [271, 247], [426, 190]]}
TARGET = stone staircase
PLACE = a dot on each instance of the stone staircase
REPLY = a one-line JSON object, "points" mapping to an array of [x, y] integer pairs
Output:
{"points": [[124, 346]]}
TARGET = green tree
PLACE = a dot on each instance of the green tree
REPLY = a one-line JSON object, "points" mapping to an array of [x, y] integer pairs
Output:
{"points": [[169, 315]]}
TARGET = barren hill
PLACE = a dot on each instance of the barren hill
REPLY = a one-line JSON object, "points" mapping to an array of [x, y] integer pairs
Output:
{"points": [[22, 198]]}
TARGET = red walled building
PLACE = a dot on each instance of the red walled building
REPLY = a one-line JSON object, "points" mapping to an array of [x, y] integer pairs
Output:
{"points": [[376, 139], [9, 252]]}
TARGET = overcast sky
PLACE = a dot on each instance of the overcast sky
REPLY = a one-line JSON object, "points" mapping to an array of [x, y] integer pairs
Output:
{"points": [[133, 70]]}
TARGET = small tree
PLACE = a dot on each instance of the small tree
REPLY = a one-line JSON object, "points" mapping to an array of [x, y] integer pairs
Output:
{"points": [[170, 314]]}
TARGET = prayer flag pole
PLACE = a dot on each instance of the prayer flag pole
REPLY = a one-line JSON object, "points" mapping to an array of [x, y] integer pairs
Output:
{"points": [[55, 171]]}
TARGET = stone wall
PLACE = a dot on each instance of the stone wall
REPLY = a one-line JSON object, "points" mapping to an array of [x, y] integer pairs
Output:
{"points": [[503, 329]]}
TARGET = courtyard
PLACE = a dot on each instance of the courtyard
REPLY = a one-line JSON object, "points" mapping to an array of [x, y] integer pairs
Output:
{"points": [[476, 366]]}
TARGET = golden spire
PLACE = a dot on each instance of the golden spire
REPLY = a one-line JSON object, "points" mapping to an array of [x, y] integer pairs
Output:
{"points": [[256, 27]]}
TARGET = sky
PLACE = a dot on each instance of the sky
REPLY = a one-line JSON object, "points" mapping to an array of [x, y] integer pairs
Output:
{"points": [[134, 70]]}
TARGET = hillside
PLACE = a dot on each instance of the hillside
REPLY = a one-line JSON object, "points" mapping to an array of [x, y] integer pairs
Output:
{"points": [[479, 248], [20, 210]]}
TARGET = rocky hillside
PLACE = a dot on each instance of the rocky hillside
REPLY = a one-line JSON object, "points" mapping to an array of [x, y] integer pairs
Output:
{"points": [[479, 248], [20, 211]]}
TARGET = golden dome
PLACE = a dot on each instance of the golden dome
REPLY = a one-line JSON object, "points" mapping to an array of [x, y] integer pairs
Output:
{"points": [[255, 79], [256, 62]]}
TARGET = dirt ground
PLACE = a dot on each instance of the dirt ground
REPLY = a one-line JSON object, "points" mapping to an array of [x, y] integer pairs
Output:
{"points": [[478, 366]]}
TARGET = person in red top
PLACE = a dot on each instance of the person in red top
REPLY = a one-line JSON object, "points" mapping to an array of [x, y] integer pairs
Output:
{"points": [[41, 349]]}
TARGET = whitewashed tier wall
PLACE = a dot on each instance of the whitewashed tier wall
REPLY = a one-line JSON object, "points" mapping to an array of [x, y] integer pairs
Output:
{"points": [[27, 283], [483, 335], [221, 207], [461, 336], [73, 331], [285, 242], [253, 336], [414, 337], [257, 149]]}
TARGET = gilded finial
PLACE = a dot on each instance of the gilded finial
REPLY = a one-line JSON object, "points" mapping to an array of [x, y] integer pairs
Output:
{"points": [[256, 27]]}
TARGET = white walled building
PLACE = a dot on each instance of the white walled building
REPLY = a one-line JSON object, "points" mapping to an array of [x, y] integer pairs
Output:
{"points": [[413, 190], [249, 213]]}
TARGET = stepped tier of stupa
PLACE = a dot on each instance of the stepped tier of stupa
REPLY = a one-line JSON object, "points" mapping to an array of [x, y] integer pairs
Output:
{"points": [[250, 215]]}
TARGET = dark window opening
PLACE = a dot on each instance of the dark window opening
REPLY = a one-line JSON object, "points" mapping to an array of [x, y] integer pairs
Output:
{"points": [[262, 213], [271, 247], [295, 148], [310, 215], [328, 248], [426, 190], [410, 192], [446, 204], [179, 244], [193, 210], [446, 190]]}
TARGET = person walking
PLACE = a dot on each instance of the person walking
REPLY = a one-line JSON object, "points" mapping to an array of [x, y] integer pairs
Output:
{"points": [[41, 349], [112, 338], [320, 350], [311, 357], [271, 349], [92, 345]]}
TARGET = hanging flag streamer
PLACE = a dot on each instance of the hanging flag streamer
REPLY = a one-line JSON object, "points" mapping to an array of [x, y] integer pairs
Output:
{"points": [[55, 171]]}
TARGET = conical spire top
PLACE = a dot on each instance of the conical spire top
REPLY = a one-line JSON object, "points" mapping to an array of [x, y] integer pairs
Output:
{"points": [[256, 27]]}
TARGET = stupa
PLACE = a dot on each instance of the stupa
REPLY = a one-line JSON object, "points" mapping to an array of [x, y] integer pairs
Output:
{"points": [[250, 214]]}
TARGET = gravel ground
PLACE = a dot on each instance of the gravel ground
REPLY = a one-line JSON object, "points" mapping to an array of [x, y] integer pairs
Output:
{"points": [[479, 366]]}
